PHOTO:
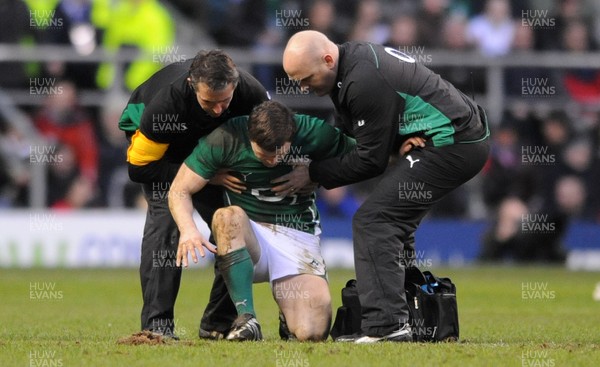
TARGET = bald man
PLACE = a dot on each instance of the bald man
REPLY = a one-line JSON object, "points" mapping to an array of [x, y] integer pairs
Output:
{"points": [[383, 96]]}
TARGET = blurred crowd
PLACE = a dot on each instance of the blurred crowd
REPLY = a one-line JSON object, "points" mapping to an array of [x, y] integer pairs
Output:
{"points": [[543, 160]]}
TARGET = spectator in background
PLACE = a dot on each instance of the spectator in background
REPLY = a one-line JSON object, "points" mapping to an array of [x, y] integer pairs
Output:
{"points": [[531, 227], [580, 161], [113, 178], [68, 23], [505, 175], [556, 131], [62, 121], [322, 18], [248, 16], [14, 166], [403, 33], [82, 35], [498, 241], [583, 84], [524, 38], [277, 19], [369, 25], [562, 12], [431, 18], [259, 24], [67, 188], [492, 32], [454, 37], [47, 23], [64, 23], [454, 33], [588, 122], [345, 14], [570, 196], [144, 25], [6, 184], [16, 29], [520, 186], [525, 234], [516, 77]]}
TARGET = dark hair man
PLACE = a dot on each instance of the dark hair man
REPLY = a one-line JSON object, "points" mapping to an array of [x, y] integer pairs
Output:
{"points": [[164, 118]]}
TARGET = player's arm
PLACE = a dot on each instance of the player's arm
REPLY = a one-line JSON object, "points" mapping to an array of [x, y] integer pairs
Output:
{"points": [[185, 184], [195, 172], [323, 141], [329, 141]]}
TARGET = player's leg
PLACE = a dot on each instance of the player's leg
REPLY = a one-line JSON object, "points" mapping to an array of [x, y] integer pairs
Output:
{"points": [[160, 278], [291, 260], [386, 222], [220, 311], [237, 252], [305, 302]]}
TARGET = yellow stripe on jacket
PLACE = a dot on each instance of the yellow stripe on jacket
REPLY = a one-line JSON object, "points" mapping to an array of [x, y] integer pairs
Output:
{"points": [[142, 150]]}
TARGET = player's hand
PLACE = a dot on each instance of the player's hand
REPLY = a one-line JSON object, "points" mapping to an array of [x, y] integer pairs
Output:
{"points": [[232, 183], [410, 143], [189, 243], [292, 182], [308, 189]]}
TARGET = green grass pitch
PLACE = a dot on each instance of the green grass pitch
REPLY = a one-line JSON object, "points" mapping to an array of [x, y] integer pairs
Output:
{"points": [[509, 316]]}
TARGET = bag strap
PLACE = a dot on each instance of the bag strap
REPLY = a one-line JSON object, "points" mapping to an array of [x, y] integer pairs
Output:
{"points": [[443, 285], [412, 274]]}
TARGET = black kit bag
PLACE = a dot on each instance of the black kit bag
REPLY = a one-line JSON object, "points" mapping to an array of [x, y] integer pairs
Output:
{"points": [[433, 311], [347, 318]]}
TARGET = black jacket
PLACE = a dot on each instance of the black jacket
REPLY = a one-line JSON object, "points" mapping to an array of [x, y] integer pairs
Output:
{"points": [[382, 94]]}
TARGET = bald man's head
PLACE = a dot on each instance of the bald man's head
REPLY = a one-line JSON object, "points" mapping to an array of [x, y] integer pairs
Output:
{"points": [[311, 58]]}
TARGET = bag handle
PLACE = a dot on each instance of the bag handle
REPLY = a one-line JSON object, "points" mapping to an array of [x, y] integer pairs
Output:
{"points": [[443, 285], [412, 274], [430, 278]]}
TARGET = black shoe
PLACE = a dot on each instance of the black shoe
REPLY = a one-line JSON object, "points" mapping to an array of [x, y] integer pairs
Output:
{"points": [[165, 333], [210, 335], [245, 327], [404, 334], [284, 331]]}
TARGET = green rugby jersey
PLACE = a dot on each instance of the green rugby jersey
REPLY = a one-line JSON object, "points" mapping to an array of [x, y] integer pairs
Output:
{"points": [[229, 147]]}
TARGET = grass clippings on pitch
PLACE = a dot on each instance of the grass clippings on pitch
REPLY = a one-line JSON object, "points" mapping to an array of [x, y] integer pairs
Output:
{"points": [[143, 337], [509, 316]]}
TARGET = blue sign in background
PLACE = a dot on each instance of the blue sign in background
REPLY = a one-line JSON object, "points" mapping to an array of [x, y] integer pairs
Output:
{"points": [[451, 239]]}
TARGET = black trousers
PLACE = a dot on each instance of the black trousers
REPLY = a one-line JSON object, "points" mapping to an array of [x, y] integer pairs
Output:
{"points": [[384, 226], [160, 278]]}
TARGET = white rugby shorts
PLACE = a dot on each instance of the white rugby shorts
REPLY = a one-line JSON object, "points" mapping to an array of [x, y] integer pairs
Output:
{"points": [[286, 251]]}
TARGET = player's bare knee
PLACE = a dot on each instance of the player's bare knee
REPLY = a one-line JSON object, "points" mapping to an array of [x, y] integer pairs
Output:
{"points": [[315, 324], [227, 228], [319, 297], [310, 332]]}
